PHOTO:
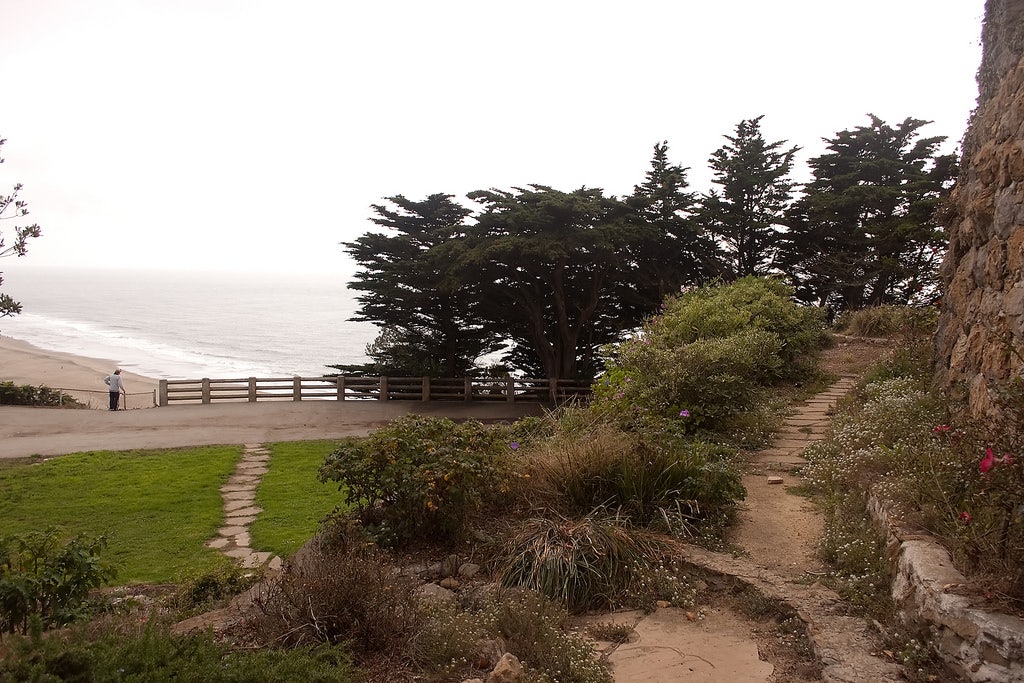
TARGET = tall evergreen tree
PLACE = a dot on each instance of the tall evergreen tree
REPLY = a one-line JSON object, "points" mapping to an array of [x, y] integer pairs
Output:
{"points": [[680, 253], [864, 233], [429, 314], [557, 273], [746, 214]]}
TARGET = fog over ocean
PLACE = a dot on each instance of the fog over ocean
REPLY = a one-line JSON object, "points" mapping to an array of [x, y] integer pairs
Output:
{"points": [[187, 325]]}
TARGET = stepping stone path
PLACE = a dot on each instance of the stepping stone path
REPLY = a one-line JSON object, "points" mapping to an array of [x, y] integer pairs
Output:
{"points": [[239, 494]]}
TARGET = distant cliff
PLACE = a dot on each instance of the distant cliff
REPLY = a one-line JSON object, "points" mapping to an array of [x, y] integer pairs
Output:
{"points": [[980, 340]]}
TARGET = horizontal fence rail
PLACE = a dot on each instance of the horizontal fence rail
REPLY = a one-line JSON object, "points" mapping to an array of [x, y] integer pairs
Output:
{"points": [[361, 388]]}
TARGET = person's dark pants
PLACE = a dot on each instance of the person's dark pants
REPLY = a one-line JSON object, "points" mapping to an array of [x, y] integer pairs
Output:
{"points": [[113, 399]]}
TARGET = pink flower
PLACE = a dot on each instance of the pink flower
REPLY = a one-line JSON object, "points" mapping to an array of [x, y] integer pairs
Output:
{"points": [[684, 413], [988, 461], [965, 517], [940, 429], [1007, 459]]}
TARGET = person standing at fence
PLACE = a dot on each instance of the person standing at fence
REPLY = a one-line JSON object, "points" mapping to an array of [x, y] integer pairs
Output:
{"points": [[116, 385]]}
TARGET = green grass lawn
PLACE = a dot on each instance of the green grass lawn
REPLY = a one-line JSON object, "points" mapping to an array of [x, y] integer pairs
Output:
{"points": [[293, 499], [157, 508]]}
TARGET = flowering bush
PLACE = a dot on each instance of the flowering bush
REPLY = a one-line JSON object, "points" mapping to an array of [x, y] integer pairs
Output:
{"points": [[964, 483]]}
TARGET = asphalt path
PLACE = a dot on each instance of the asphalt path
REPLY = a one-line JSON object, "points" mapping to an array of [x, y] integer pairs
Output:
{"points": [[26, 432]]}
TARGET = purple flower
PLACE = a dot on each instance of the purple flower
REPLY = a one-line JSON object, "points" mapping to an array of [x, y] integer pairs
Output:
{"points": [[684, 413], [514, 445]]}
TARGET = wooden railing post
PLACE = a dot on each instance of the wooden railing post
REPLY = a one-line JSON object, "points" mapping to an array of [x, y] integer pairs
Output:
{"points": [[341, 387], [510, 390], [206, 389], [252, 390], [383, 396], [163, 392], [425, 388], [468, 389], [296, 388], [553, 389]]}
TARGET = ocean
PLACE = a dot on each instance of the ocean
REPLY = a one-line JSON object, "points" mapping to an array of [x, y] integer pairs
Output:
{"points": [[188, 325]]}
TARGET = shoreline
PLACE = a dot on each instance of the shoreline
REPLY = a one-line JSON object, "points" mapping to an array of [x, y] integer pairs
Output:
{"points": [[81, 376]]}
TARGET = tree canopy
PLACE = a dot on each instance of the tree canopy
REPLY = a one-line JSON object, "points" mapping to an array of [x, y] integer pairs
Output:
{"points": [[746, 214], [12, 208], [413, 289], [555, 275], [864, 231]]}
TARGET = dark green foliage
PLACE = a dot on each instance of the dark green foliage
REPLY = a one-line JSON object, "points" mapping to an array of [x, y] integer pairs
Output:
{"points": [[43, 575], [419, 477], [865, 233], [151, 654], [747, 213], [27, 395], [558, 273], [430, 311], [681, 252]]}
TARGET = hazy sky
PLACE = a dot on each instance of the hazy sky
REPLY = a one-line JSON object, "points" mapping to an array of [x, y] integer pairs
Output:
{"points": [[249, 135]]}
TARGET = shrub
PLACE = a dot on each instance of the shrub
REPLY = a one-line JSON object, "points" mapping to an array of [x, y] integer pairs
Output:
{"points": [[418, 477], [151, 653], [28, 395], [42, 575], [710, 352], [338, 590]]}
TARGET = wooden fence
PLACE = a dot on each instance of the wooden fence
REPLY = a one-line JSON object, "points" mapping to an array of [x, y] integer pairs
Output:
{"points": [[360, 388]]}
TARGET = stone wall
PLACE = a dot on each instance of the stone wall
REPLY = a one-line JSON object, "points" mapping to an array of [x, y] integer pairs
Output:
{"points": [[980, 340]]}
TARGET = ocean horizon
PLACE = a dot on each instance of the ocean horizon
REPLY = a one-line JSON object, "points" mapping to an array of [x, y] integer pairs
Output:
{"points": [[188, 325]]}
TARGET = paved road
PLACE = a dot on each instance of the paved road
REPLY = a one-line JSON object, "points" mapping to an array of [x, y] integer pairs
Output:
{"points": [[26, 432]]}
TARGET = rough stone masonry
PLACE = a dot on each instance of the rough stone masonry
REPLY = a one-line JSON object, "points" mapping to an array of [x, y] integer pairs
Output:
{"points": [[980, 339]]}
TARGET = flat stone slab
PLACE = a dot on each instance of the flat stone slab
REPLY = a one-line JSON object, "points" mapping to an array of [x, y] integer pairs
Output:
{"points": [[244, 512], [782, 460], [806, 420], [239, 553], [231, 531], [797, 444], [247, 494], [218, 542], [233, 505], [240, 520], [247, 478]]}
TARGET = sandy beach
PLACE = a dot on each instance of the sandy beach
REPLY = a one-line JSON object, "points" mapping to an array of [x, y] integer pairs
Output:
{"points": [[80, 376]]}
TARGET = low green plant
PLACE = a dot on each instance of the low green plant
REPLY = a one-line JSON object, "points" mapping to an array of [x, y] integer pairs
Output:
{"points": [[48, 576], [418, 478], [201, 592], [457, 643], [131, 653], [27, 395], [610, 631]]}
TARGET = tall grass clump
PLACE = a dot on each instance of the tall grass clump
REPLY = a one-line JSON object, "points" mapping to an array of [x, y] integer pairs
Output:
{"points": [[889, 321], [666, 484]]}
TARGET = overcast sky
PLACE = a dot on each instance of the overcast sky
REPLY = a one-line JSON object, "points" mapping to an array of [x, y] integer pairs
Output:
{"points": [[254, 135]]}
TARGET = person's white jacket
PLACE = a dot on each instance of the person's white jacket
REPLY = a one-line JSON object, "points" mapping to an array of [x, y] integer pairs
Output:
{"points": [[115, 383]]}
